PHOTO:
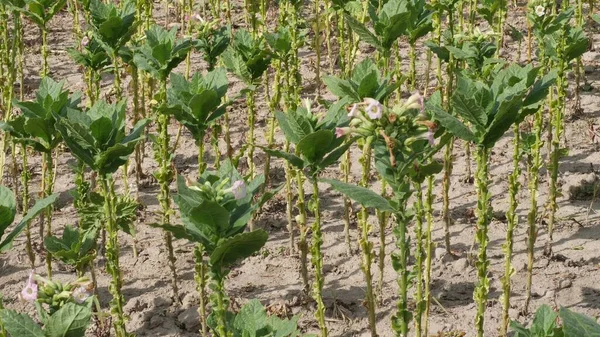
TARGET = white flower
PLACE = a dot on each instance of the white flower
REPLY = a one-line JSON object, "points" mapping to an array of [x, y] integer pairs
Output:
{"points": [[80, 294], [30, 292], [540, 11], [239, 189], [374, 108], [415, 101], [85, 41], [354, 111]]}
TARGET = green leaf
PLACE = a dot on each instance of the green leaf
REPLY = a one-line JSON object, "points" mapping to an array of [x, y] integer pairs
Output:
{"points": [[8, 208], [465, 103], [39, 206], [341, 88], [453, 124], [293, 125], [69, 321], [252, 318], [578, 325], [20, 325], [334, 155], [237, 247], [314, 146], [362, 195], [292, 159], [209, 218], [519, 330], [363, 32], [544, 321]]}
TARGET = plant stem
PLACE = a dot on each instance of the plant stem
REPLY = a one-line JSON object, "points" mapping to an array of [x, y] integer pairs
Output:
{"points": [[365, 245], [512, 221], [400, 262], [25, 175], [44, 52], [483, 218], [303, 229], [164, 198], [220, 304], [112, 257], [429, 249], [419, 299], [200, 278], [47, 175], [446, 194], [317, 260]]}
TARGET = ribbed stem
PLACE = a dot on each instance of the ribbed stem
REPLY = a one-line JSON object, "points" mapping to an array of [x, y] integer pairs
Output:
{"points": [[317, 260], [200, 278], [483, 219]]}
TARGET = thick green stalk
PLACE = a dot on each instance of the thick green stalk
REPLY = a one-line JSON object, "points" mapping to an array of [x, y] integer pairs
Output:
{"points": [[446, 194], [317, 45], [365, 245], [345, 166], [400, 262], [382, 219], [317, 260], [164, 198], [482, 289], [200, 278], [273, 105], [251, 120], [419, 299], [25, 175], [112, 257], [303, 229], [429, 249], [512, 222], [533, 173], [44, 52], [220, 303], [47, 187], [413, 68], [557, 121]]}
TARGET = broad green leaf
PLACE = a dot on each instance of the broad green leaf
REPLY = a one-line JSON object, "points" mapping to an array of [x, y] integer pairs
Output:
{"points": [[293, 125], [69, 321], [466, 106], [252, 318], [578, 325], [292, 159], [519, 330], [238, 247], [8, 208], [544, 321], [362, 195], [208, 217], [39, 206], [20, 325], [363, 32], [314, 146], [341, 88], [453, 124]]}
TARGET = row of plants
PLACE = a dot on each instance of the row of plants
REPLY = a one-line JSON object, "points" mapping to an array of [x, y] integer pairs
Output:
{"points": [[479, 96]]}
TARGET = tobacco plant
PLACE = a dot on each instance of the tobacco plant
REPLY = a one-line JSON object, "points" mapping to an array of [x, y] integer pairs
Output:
{"points": [[544, 324], [97, 138], [215, 211], [74, 248], [247, 58], [197, 104], [212, 42], [491, 109], [41, 12], [36, 128], [316, 148], [158, 56], [112, 27]]}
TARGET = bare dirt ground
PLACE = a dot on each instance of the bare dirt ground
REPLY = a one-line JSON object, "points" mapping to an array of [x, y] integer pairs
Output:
{"points": [[273, 275]]}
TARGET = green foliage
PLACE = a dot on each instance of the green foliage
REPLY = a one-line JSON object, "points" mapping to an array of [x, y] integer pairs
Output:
{"points": [[246, 57], [41, 12], [93, 56], [491, 109], [75, 247], [389, 24], [212, 42], [366, 81], [317, 146], [98, 137], [213, 217], [364, 196], [161, 52], [197, 103], [252, 320], [71, 320], [544, 324], [576, 43], [112, 25], [8, 211], [36, 126]]}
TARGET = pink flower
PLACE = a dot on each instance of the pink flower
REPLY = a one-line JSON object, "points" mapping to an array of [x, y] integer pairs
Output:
{"points": [[341, 132], [30, 292], [239, 190], [85, 41], [374, 108]]}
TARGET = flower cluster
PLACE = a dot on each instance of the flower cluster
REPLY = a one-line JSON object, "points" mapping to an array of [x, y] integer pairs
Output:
{"points": [[56, 294], [366, 117], [217, 191]]}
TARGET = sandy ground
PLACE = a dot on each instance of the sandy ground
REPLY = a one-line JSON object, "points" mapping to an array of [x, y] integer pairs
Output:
{"points": [[273, 275]]}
